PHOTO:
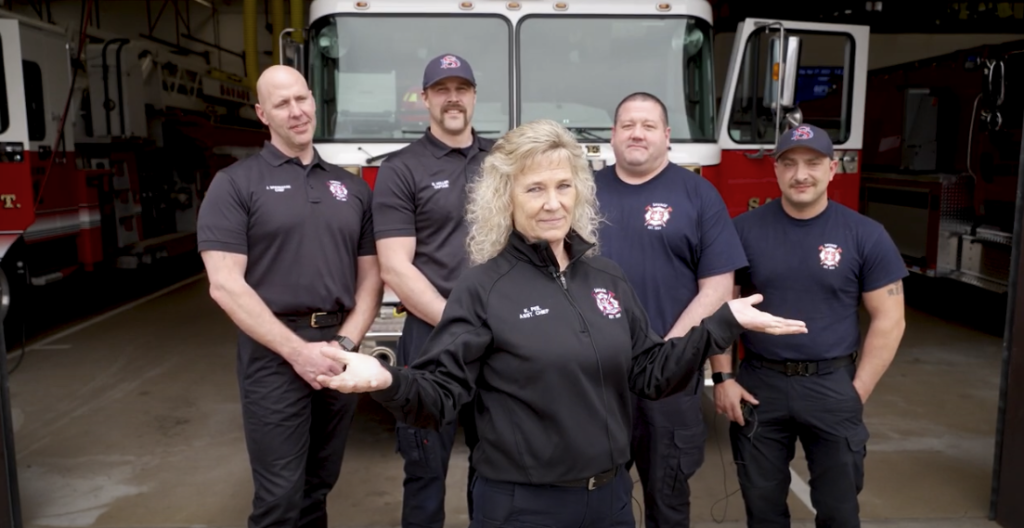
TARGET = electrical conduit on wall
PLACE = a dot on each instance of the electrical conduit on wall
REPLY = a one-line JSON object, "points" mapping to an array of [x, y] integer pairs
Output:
{"points": [[297, 15], [277, 24], [252, 58]]}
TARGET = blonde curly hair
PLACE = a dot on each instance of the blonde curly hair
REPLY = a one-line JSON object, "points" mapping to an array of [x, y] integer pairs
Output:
{"points": [[489, 200]]}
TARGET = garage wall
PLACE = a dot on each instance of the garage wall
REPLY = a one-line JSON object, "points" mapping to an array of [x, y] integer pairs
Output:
{"points": [[884, 49], [127, 18]]}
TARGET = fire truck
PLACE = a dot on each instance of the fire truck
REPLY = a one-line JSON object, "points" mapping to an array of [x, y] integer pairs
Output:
{"points": [[943, 144], [106, 152], [573, 62]]}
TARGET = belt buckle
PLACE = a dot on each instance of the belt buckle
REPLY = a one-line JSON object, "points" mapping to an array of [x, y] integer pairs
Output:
{"points": [[312, 319], [591, 483], [798, 369]]}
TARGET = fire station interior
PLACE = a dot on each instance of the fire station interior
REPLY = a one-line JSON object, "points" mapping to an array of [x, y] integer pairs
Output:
{"points": [[120, 398]]}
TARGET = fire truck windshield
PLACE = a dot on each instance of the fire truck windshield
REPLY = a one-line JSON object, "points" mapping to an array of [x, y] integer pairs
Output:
{"points": [[576, 70], [366, 73]]}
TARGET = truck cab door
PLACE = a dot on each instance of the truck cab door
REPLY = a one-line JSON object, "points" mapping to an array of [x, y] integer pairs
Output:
{"points": [[17, 199], [820, 73]]}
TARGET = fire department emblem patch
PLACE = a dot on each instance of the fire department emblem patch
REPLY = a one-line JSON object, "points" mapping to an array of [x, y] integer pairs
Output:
{"points": [[829, 255], [607, 304], [450, 61], [657, 215], [338, 190], [803, 132]]}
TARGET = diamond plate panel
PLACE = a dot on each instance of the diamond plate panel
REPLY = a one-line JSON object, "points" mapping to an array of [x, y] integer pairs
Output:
{"points": [[956, 214]]}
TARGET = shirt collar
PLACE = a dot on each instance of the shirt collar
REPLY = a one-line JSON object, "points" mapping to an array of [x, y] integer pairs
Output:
{"points": [[540, 254], [275, 157], [438, 148]]}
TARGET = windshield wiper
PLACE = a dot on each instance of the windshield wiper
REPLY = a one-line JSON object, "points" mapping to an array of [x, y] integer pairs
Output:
{"points": [[478, 132], [588, 132]]}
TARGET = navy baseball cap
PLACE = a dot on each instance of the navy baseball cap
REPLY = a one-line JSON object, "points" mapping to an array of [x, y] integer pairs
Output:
{"points": [[447, 65], [808, 136]]}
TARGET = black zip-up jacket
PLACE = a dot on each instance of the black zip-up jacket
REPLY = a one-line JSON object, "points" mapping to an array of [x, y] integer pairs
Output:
{"points": [[551, 358]]}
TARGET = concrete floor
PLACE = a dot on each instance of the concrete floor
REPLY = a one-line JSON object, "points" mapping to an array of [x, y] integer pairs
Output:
{"points": [[133, 420]]}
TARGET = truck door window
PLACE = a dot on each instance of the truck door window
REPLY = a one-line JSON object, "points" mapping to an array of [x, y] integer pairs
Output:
{"points": [[823, 84], [34, 110]]}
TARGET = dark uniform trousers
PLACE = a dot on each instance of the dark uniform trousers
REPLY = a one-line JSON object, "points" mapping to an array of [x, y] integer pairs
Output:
{"points": [[825, 413], [427, 452], [668, 449], [511, 505], [295, 435]]}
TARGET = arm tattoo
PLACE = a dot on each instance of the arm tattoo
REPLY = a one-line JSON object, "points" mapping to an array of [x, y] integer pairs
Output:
{"points": [[895, 289]]}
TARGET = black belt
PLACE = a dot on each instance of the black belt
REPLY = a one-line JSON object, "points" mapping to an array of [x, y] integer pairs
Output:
{"points": [[316, 319], [590, 483], [803, 368]]}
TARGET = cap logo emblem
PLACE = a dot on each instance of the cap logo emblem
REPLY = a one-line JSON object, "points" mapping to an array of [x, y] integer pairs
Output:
{"points": [[450, 61], [802, 132]]}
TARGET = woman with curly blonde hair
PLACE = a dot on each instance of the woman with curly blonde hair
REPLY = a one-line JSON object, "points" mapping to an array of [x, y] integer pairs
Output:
{"points": [[545, 340], [489, 208]]}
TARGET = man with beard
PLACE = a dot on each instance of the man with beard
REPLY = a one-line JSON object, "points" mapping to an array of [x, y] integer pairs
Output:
{"points": [[669, 230], [418, 206], [265, 229]]}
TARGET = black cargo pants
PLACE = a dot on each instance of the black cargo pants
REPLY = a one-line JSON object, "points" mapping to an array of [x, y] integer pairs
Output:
{"points": [[427, 452], [668, 449], [825, 413], [295, 435], [569, 505]]}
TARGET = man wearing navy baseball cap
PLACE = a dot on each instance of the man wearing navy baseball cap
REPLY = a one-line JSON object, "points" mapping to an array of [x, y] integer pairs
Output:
{"points": [[822, 260], [418, 203], [449, 92], [809, 148]]}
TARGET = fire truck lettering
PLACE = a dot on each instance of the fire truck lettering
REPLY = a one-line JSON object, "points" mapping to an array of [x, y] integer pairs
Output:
{"points": [[8, 200], [755, 202]]}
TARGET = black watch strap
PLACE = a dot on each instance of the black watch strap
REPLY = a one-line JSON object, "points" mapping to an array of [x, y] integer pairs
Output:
{"points": [[346, 343], [719, 377]]}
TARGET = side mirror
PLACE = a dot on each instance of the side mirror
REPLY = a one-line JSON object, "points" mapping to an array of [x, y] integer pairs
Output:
{"points": [[794, 118], [291, 51], [781, 73]]}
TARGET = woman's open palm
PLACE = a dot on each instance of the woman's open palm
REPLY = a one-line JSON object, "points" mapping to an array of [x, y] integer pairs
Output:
{"points": [[753, 319]]}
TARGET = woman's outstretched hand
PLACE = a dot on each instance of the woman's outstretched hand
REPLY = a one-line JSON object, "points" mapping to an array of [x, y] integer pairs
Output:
{"points": [[360, 372], [753, 319]]}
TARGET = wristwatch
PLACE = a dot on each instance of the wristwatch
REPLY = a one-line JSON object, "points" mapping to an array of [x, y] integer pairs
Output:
{"points": [[719, 377], [346, 343]]}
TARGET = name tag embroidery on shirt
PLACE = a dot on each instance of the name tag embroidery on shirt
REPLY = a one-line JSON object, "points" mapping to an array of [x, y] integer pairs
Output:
{"points": [[533, 311], [440, 184], [278, 188]]}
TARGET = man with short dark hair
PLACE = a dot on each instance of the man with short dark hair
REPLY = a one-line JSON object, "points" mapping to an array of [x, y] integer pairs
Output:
{"points": [[669, 230], [418, 204], [814, 260], [287, 240]]}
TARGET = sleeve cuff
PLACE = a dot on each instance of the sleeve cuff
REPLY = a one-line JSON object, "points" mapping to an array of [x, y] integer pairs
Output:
{"points": [[217, 245], [724, 327], [383, 233], [391, 394]]}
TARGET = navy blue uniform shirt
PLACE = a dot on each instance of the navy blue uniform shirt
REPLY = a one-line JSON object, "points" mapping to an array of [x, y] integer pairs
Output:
{"points": [[666, 234], [814, 270]]}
